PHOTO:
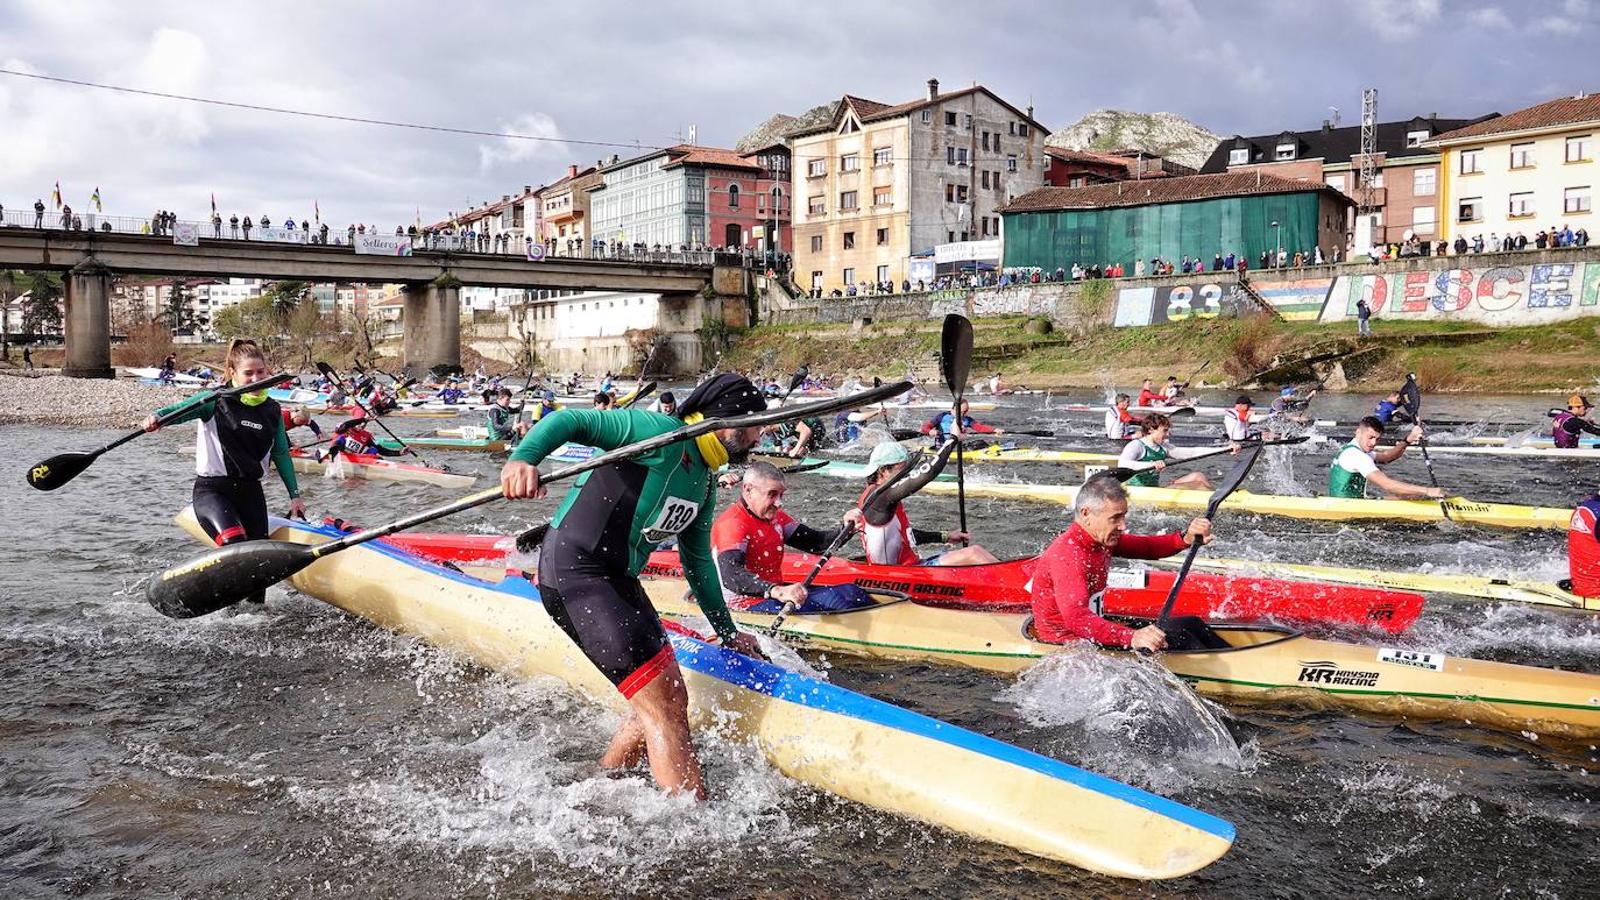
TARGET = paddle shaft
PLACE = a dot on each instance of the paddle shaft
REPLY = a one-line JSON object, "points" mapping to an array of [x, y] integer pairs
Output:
{"points": [[378, 420], [954, 362], [1413, 394], [1229, 485], [789, 605], [1123, 473]]}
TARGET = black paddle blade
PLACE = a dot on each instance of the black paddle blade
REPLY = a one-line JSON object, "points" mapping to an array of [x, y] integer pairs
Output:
{"points": [[1178, 412], [800, 376], [955, 352], [529, 541], [224, 577], [1233, 479], [1411, 397], [326, 369], [59, 469]]}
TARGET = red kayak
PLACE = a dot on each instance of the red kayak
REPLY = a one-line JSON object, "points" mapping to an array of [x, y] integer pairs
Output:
{"points": [[1003, 586]]}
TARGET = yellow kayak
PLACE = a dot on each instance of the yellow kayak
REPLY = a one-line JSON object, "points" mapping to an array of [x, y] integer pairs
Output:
{"points": [[835, 740], [1543, 593], [1265, 662], [997, 453], [1462, 510]]}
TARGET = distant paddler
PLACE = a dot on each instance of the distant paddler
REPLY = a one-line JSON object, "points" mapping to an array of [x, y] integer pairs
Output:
{"points": [[1150, 397], [748, 540], [897, 543], [505, 423], [1236, 420], [1391, 410], [1151, 451], [352, 438], [947, 425], [1069, 582], [299, 418], [602, 537], [1120, 423], [1357, 463], [1583, 548], [1569, 425]]}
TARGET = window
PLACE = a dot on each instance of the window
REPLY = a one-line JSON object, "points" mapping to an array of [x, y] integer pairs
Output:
{"points": [[985, 179], [816, 207], [950, 119], [1469, 209], [996, 180], [849, 276], [1522, 156], [961, 156], [1471, 162], [850, 162], [1521, 205], [949, 193], [1011, 163], [1286, 150], [1424, 181], [1578, 148], [881, 157], [761, 203], [849, 240], [1336, 182], [1011, 128], [968, 119], [963, 235], [1238, 156], [816, 279], [1422, 218], [1075, 181], [927, 117], [883, 274], [952, 237], [733, 196], [1415, 138], [985, 232], [883, 236], [882, 196], [816, 243], [1575, 200], [1377, 179], [950, 156], [847, 200], [997, 142], [961, 193], [816, 168], [986, 140], [1022, 129]]}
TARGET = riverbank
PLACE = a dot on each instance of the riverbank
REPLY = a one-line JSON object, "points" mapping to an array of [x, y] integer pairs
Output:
{"points": [[95, 402], [1455, 357]]}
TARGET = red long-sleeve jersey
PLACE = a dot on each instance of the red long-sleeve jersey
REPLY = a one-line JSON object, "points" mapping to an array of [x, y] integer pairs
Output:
{"points": [[1070, 579]]}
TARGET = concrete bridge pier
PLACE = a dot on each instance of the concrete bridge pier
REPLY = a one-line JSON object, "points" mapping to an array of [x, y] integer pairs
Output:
{"points": [[433, 324], [88, 322]]}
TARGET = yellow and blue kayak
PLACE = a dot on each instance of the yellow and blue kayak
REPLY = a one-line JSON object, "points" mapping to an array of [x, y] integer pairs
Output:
{"points": [[1462, 510], [838, 741]]}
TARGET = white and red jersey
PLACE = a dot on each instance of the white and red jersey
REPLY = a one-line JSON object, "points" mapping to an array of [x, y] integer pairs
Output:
{"points": [[737, 528], [1583, 548], [892, 543]]}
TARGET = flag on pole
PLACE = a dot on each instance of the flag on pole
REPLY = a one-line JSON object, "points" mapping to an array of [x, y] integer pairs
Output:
{"points": [[317, 208], [95, 199], [213, 203], [57, 195]]}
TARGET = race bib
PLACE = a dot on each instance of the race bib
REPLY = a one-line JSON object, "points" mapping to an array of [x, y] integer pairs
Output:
{"points": [[1097, 603], [676, 514]]}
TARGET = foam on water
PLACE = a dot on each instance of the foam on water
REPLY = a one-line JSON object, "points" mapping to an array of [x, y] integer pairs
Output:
{"points": [[1128, 717]]}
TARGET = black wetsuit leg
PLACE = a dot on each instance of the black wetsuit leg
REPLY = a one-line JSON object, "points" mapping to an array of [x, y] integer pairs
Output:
{"points": [[231, 510], [608, 615]]}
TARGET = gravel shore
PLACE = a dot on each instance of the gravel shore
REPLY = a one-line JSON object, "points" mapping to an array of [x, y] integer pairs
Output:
{"points": [[101, 403]]}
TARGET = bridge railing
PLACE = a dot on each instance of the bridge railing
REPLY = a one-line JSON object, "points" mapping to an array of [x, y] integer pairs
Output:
{"points": [[438, 242]]}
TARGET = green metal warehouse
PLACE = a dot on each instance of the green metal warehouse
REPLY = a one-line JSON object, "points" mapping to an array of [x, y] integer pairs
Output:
{"points": [[1198, 216]]}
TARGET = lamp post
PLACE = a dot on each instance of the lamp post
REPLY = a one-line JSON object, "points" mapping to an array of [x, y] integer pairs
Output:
{"points": [[1277, 239]]}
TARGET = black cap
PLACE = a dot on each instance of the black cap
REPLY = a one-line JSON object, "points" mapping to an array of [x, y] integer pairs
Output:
{"points": [[723, 395]]}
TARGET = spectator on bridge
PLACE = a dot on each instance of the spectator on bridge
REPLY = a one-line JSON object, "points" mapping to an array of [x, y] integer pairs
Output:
{"points": [[322, 233], [233, 226], [246, 226], [1580, 238], [66, 216], [1477, 244], [288, 224], [216, 225], [265, 223], [38, 213]]}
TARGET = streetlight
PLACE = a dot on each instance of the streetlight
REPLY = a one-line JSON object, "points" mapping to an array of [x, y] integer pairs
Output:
{"points": [[1277, 238]]}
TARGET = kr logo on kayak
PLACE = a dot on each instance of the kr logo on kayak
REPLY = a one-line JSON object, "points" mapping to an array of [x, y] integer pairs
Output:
{"points": [[1324, 672]]}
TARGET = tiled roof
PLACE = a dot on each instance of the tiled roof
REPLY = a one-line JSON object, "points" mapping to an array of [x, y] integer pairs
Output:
{"points": [[1333, 145], [1147, 192], [873, 111], [691, 155], [1560, 111]]}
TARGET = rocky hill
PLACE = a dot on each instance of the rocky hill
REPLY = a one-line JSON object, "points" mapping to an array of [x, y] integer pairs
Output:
{"points": [[1165, 134], [774, 129]]}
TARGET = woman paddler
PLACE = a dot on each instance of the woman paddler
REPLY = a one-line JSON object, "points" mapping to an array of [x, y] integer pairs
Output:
{"points": [[235, 439], [602, 536]]}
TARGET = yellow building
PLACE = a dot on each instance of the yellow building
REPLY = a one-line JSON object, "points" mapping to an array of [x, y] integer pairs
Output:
{"points": [[878, 183], [1524, 172]]}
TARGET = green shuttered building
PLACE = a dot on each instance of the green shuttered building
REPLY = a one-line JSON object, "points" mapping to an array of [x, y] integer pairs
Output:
{"points": [[1197, 216]]}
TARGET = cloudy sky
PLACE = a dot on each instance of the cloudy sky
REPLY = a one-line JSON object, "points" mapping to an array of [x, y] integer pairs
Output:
{"points": [[596, 78]]}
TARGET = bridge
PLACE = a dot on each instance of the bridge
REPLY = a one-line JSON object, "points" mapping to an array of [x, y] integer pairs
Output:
{"points": [[432, 279]]}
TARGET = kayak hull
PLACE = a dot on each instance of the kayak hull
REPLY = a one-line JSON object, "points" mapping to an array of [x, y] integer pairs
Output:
{"points": [[849, 745], [380, 469], [1462, 510]]}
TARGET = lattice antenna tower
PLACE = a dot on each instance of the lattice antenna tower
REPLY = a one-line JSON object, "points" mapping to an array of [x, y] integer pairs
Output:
{"points": [[1369, 148]]}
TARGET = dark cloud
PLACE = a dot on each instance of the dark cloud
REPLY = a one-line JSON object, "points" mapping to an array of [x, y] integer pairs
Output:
{"points": [[643, 74]]}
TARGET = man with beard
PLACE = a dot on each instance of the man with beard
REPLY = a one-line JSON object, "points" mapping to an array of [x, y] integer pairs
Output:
{"points": [[602, 536]]}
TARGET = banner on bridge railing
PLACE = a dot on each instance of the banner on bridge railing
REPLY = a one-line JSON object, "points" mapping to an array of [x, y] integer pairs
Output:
{"points": [[186, 234], [280, 236], [383, 244]]}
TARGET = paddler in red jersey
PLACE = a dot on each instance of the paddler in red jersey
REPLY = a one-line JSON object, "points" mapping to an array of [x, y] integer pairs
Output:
{"points": [[299, 418], [1149, 396], [353, 439], [895, 543], [1583, 548], [1069, 581], [747, 541]]}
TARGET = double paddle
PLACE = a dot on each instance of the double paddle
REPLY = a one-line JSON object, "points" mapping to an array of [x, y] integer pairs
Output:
{"points": [[1411, 401], [63, 467], [225, 576], [1235, 477], [1123, 473], [955, 361]]}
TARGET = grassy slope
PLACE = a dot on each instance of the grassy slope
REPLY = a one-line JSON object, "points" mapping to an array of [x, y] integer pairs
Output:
{"points": [[1540, 358]]}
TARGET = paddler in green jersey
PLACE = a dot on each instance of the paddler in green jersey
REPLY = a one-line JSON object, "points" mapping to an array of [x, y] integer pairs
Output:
{"points": [[1357, 463], [1151, 451], [602, 536]]}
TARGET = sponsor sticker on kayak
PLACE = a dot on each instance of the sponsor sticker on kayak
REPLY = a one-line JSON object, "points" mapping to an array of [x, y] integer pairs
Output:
{"points": [[1417, 659], [1126, 578]]}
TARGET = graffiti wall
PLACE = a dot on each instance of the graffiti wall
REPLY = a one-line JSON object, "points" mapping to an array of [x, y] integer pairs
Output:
{"points": [[1176, 303], [1528, 294], [1296, 300]]}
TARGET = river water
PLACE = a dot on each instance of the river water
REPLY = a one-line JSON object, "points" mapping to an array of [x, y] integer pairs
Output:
{"points": [[297, 751]]}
